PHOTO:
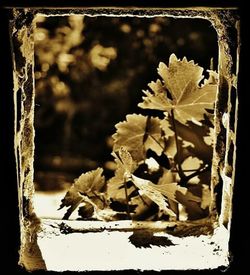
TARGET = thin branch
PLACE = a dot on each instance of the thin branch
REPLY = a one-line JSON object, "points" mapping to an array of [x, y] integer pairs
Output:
{"points": [[184, 181], [180, 171], [127, 202], [198, 172], [184, 170], [99, 197], [156, 141], [143, 201]]}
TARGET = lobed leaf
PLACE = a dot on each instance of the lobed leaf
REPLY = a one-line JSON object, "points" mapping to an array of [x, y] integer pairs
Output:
{"points": [[87, 185], [137, 134], [181, 79], [90, 182]]}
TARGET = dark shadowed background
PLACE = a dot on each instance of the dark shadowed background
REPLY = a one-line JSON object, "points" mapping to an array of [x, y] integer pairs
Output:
{"points": [[90, 73]]}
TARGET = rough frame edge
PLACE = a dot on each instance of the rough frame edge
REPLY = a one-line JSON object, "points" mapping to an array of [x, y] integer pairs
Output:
{"points": [[29, 223]]}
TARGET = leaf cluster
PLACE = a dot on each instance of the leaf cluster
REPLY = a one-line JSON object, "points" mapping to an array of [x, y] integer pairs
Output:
{"points": [[162, 163]]}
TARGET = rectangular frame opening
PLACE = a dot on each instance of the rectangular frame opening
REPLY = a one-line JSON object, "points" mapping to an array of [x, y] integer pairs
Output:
{"points": [[170, 234]]}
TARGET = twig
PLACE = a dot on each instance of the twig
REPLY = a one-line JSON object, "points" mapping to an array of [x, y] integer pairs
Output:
{"points": [[147, 134], [127, 202], [180, 171], [144, 202], [153, 138], [185, 170], [184, 181], [99, 197], [198, 172]]}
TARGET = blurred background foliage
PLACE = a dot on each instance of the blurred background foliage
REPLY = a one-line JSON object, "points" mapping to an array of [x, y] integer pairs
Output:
{"points": [[89, 73]]}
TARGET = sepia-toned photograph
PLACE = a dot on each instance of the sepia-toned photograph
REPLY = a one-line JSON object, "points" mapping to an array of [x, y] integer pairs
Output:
{"points": [[125, 125], [124, 117]]}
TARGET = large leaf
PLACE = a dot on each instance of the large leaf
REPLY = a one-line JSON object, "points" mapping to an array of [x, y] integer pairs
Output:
{"points": [[137, 134], [148, 189], [181, 79], [156, 99], [167, 127]]}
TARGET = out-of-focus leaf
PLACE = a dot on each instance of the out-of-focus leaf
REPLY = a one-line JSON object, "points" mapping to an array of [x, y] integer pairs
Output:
{"points": [[181, 79], [101, 57]]}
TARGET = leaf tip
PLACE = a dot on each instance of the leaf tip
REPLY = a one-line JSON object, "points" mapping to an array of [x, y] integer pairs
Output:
{"points": [[173, 58], [161, 66]]}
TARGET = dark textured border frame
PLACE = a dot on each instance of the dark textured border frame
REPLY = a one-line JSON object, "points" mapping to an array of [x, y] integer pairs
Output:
{"points": [[226, 23]]}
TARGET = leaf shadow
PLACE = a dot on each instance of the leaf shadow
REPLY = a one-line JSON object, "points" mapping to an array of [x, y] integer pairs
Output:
{"points": [[146, 239]]}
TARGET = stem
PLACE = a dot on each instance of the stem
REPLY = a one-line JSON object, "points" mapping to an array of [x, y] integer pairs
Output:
{"points": [[198, 172], [127, 202], [72, 209], [177, 212], [183, 182], [180, 171], [144, 202], [211, 64], [153, 138], [185, 170], [147, 135], [98, 197]]}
